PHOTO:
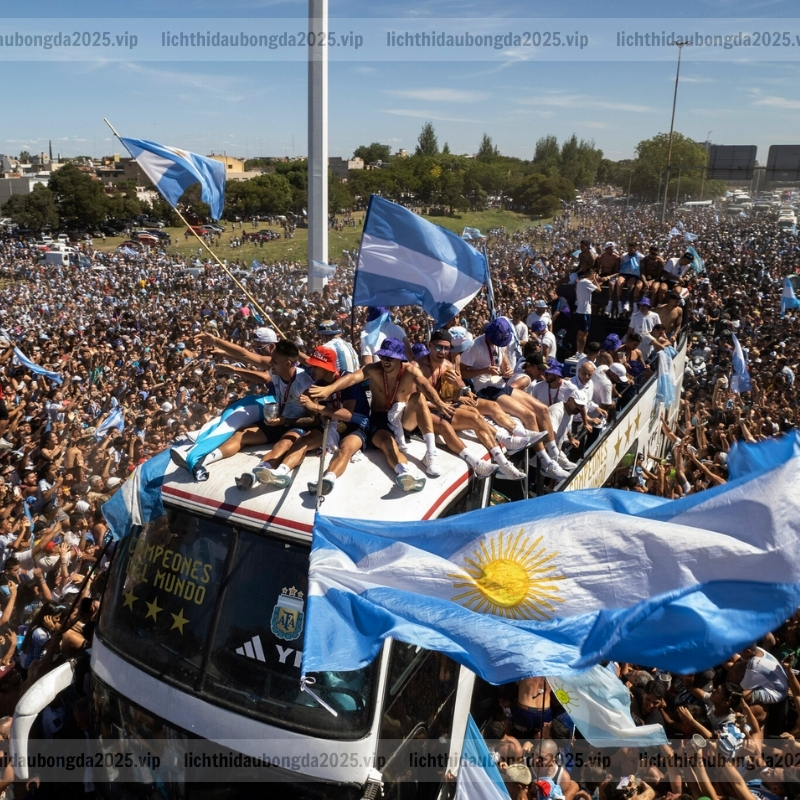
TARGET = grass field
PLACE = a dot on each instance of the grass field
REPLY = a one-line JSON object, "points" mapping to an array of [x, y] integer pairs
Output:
{"points": [[297, 249]]}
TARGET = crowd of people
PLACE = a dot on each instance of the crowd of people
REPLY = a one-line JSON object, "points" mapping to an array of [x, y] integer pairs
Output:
{"points": [[105, 366]]}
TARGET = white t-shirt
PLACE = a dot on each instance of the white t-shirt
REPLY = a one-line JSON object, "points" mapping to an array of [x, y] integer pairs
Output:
{"points": [[643, 323], [480, 355], [583, 293], [547, 394], [548, 339], [535, 316], [602, 389], [674, 268], [765, 672], [388, 330], [522, 332]]}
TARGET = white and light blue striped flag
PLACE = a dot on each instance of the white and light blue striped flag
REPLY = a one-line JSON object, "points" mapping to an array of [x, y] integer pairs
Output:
{"points": [[478, 775], [740, 377], [405, 260], [114, 420], [562, 582], [23, 360], [600, 706], [698, 265], [788, 298], [173, 171], [690, 237], [319, 269], [471, 235]]}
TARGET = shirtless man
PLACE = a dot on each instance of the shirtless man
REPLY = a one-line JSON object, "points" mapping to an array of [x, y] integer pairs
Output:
{"points": [[652, 268], [532, 708], [487, 364], [607, 266], [397, 389], [671, 314], [437, 368]]}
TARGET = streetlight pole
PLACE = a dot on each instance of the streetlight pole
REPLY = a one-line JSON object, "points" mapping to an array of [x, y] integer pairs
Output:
{"points": [[630, 178], [708, 154], [680, 45]]}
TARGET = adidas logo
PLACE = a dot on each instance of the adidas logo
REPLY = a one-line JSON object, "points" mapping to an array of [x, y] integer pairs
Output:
{"points": [[252, 649]]}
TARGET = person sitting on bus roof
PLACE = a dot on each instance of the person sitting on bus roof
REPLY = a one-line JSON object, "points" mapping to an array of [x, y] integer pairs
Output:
{"points": [[348, 410], [486, 363], [264, 341], [438, 369], [397, 387], [243, 424]]}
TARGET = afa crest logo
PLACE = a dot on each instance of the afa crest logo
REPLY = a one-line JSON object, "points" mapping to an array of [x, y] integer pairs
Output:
{"points": [[287, 616]]}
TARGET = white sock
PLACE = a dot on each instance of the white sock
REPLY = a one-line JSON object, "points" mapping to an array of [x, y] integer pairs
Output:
{"points": [[394, 419], [214, 455], [430, 443], [551, 448], [499, 456], [519, 431], [545, 459], [468, 457], [282, 470], [401, 469], [329, 476]]}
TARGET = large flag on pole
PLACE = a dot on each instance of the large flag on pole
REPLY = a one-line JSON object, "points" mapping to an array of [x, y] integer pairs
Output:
{"points": [[173, 171], [788, 298], [600, 706], [405, 260], [478, 775], [560, 583]]}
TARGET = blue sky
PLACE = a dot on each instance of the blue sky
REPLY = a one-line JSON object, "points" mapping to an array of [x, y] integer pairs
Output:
{"points": [[259, 108]]}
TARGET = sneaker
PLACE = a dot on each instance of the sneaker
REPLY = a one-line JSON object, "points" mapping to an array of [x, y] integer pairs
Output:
{"points": [[609, 306], [516, 443], [536, 436], [626, 308], [409, 483], [620, 312], [565, 463], [510, 472], [246, 481], [431, 462], [272, 477], [327, 487], [555, 472], [484, 469], [200, 473]]}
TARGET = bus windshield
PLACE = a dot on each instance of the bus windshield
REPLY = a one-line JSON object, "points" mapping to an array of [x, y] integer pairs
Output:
{"points": [[220, 612]]}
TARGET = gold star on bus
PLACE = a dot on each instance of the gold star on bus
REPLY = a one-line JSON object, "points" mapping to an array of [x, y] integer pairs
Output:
{"points": [[153, 609], [178, 621], [130, 598]]}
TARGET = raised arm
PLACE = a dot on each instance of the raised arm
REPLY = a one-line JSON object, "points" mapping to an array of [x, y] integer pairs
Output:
{"points": [[345, 382]]}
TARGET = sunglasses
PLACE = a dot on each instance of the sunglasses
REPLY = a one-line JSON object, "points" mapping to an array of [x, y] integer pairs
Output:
{"points": [[442, 348]]}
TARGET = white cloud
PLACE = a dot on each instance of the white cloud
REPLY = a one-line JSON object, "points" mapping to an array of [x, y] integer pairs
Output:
{"points": [[778, 102], [438, 95], [578, 102], [685, 79], [422, 114]]}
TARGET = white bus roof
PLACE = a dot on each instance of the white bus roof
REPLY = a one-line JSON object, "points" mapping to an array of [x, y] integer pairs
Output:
{"points": [[366, 491]]}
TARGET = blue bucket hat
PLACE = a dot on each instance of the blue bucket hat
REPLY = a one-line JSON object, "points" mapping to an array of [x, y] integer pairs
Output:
{"points": [[376, 311], [420, 350], [392, 348], [498, 332]]}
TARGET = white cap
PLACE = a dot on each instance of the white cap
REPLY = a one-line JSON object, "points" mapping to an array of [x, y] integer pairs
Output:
{"points": [[266, 336], [578, 395], [620, 371], [166, 407], [608, 244]]}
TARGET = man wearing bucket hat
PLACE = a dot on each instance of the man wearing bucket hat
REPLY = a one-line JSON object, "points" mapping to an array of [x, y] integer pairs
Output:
{"points": [[398, 405], [486, 363]]}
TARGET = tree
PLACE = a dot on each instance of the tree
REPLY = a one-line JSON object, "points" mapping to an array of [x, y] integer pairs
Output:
{"points": [[79, 198], [25, 157], [124, 204], [546, 157], [487, 151], [446, 149], [541, 195], [192, 205], [339, 195], [427, 144], [373, 153], [688, 162], [36, 210]]}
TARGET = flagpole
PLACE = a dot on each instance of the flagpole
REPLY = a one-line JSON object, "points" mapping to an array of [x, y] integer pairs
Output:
{"points": [[489, 287], [213, 254], [355, 278]]}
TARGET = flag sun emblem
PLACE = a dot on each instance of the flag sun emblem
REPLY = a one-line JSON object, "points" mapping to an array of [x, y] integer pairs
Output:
{"points": [[509, 576]]}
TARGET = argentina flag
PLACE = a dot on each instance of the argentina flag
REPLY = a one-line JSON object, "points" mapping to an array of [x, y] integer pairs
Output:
{"points": [[173, 171], [554, 585], [405, 260], [789, 299]]}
